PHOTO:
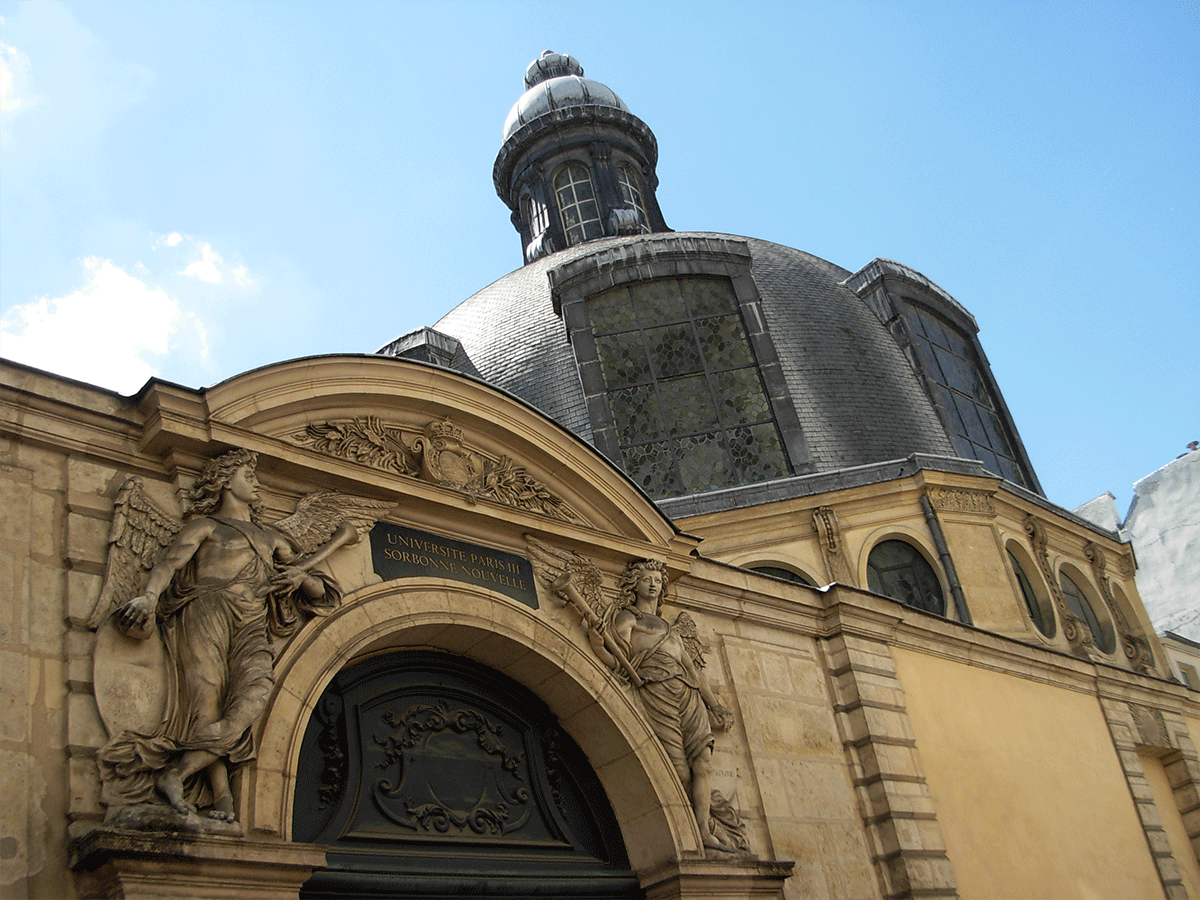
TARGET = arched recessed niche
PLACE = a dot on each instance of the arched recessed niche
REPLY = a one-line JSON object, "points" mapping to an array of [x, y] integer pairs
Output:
{"points": [[897, 569]]}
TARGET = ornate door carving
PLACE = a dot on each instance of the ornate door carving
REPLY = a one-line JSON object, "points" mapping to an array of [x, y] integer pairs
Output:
{"points": [[429, 775]]}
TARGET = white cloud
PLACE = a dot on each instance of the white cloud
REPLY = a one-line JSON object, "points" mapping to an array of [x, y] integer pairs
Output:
{"points": [[106, 333], [16, 86], [207, 267]]}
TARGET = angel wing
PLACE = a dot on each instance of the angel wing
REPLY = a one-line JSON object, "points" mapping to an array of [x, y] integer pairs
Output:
{"points": [[140, 535], [557, 568], [685, 627], [319, 514]]}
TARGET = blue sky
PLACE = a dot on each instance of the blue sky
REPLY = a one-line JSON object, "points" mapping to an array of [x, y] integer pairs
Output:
{"points": [[190, 190]]}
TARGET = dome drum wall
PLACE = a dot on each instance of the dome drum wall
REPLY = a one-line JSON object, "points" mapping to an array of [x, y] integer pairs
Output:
{"points": [[586, 137]]}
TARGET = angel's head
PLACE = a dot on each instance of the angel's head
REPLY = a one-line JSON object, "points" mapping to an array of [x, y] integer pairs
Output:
{"points": [[643, 578], [208, 492]]}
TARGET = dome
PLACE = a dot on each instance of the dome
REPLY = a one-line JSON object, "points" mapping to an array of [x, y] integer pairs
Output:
{"points": [[555, 81], [857, 396]]}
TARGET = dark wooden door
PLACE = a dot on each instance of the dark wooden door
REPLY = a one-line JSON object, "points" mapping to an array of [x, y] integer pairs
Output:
{"points": [[429, 775]]}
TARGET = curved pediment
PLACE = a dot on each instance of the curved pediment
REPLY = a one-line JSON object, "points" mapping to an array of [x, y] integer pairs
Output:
{"points": [[439, 442]]}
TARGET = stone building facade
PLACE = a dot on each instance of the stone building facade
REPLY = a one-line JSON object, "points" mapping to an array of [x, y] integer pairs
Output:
{"points": [[669, 565]]}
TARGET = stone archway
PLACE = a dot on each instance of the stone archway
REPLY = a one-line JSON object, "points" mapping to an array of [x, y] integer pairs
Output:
{"points": [[651, 810]]}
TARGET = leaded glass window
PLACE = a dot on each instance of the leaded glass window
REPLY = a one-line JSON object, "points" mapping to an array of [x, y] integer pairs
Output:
{"points": [[897, 569], [975, 418], [683, 387], [631, 192], [577, 204]]}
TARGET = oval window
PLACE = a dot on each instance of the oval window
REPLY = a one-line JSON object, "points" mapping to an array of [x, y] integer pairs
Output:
{"points": [[1041, 617], [1078, 603]]}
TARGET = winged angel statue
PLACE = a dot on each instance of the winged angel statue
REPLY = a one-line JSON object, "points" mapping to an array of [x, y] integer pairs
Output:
{"points": [[217, 590], [664, 661]]}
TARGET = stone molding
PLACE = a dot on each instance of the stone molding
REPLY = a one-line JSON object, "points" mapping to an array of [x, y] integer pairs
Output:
{"points": [[591, 704], [717, 880], [123, 865]]}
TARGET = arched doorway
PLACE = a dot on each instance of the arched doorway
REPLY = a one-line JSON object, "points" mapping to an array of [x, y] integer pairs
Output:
{"points": [[430, 775]]}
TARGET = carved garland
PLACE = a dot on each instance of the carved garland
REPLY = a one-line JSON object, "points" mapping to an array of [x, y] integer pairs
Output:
{"points": [[1137, 650], [1078, 635], [439, 455]]}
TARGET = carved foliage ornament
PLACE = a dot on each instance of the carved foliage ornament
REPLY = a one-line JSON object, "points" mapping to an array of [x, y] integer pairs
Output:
{"points": [[440, 456], [962, 500]]}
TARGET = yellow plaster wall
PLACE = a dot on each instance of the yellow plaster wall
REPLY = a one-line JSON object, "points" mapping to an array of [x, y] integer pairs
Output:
{"points": [[1172, 821], [1027, 786], [983, 571]]}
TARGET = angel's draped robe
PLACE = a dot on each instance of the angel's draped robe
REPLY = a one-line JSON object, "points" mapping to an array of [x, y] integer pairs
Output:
{"points": [[672, 701], [217, 635]]}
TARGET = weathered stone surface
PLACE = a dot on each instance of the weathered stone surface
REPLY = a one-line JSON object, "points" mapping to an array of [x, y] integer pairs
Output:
{"points": [[179, 866]]}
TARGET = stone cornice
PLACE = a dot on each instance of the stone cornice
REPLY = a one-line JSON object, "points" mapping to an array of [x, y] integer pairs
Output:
{"points": [[584, 118], [873, 273], [662, 255]]}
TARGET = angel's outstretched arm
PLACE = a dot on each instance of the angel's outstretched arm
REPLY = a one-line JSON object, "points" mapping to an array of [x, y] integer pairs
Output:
{"points": [[136, 615], [297, 572]]}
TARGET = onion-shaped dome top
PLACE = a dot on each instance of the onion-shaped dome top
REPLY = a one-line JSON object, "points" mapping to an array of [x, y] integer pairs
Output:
{"points": [[555, 81]]}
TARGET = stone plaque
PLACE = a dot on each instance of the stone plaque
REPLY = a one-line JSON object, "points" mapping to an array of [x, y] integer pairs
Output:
{"points": [[399, 552]]}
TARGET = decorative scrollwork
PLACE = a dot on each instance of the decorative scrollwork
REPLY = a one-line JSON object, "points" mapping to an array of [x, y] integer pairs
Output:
{"points": [[1136, 648], [438, 818], [425, 806], [1078, 635], [418, 720], [365, 440], [440, 456]]}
